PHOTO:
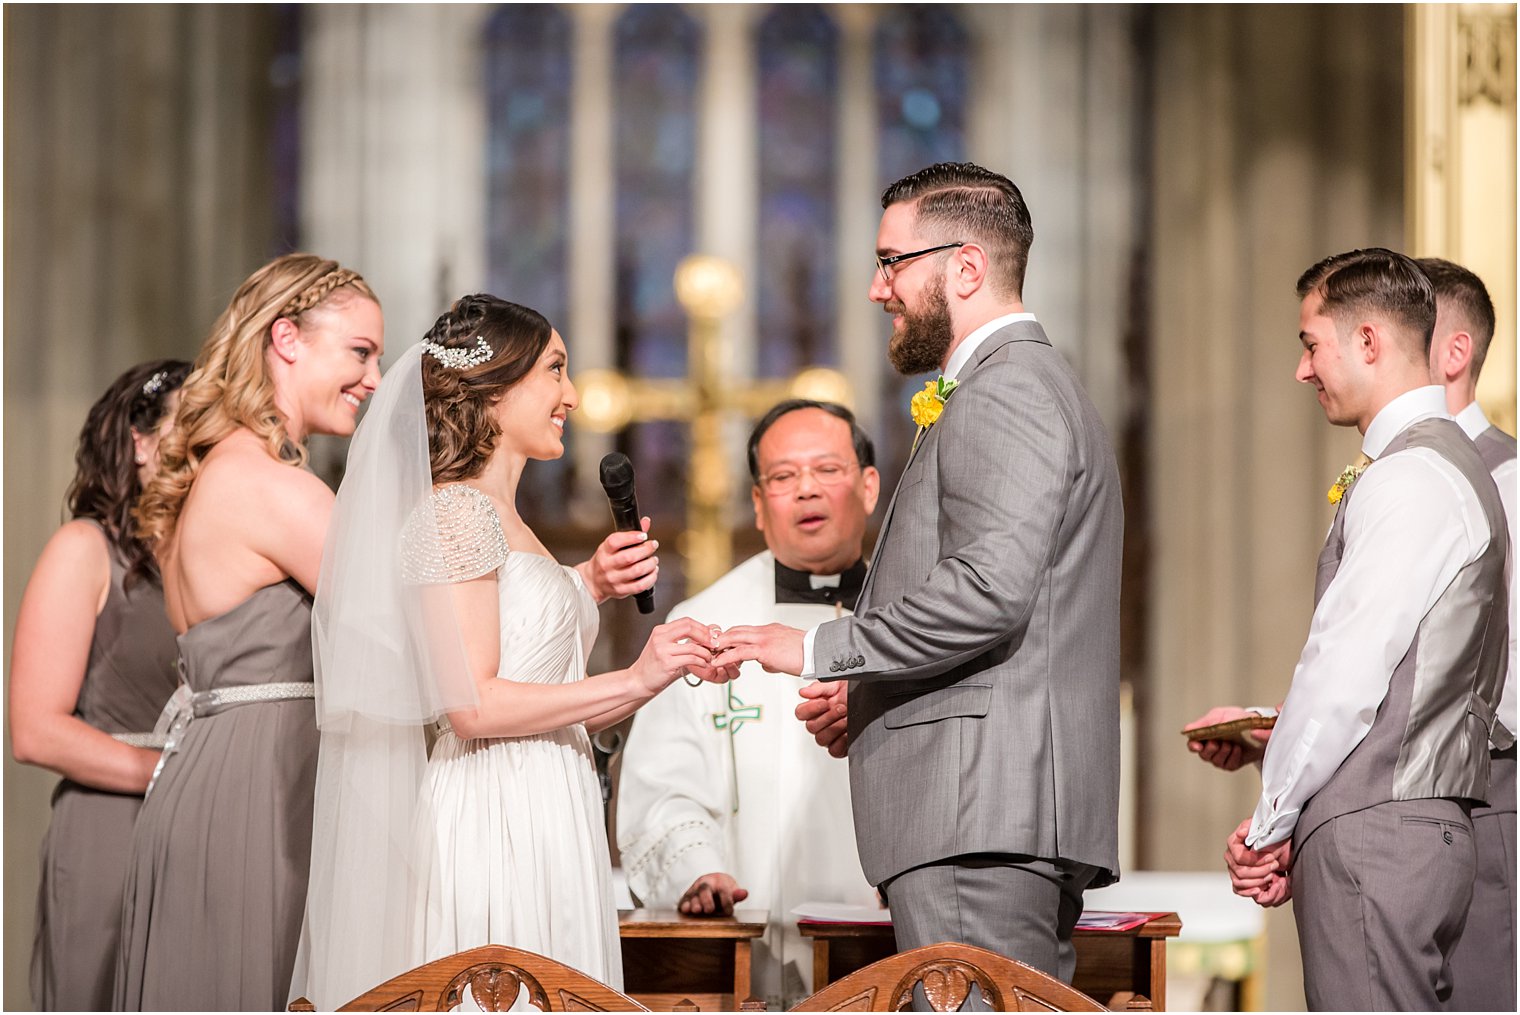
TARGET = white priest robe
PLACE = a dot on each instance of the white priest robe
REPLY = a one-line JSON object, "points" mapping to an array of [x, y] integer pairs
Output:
{"points": [[723, 778]]}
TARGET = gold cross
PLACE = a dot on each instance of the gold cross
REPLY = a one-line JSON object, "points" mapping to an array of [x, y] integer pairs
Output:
{"points": [[709, 289]]}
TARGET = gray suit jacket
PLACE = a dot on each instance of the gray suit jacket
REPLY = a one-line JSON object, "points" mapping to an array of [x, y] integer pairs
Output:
{"points": [[984, 652]]}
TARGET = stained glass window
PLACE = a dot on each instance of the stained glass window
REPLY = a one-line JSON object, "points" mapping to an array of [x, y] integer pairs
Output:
{"points": [[797, 158], [527, 80], [922, 77], [655, 81], [527, 66]]}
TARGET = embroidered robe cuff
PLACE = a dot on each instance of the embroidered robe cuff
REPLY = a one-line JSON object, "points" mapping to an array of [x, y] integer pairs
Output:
{"points": [[660, 875]]}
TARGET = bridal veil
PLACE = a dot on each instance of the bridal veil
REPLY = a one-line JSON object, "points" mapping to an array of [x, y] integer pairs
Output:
{"points": [[388, 660]]}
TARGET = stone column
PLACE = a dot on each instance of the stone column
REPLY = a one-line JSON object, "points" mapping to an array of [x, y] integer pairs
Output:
{"points": [[727, 194], [137, 197], [1461, 164], [861, 325], [1257, 174], [593, 209]]}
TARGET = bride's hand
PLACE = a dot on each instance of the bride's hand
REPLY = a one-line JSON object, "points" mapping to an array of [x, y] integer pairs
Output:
{"points": [[674, 649], [623, 564]]}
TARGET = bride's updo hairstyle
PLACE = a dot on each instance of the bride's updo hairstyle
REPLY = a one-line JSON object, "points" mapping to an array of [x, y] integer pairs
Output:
{"points": [[231, 386], [463, 379]]}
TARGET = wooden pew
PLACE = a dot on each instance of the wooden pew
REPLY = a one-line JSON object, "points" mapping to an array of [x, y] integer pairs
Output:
{"points": [[946, 973]]}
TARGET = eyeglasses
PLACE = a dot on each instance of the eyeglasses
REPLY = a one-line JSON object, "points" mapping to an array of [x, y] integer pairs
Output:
{"points": [[786, 479], [884, 264]]}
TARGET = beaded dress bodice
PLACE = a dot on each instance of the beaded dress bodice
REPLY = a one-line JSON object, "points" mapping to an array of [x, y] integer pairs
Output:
{"points": [[548, 618]]}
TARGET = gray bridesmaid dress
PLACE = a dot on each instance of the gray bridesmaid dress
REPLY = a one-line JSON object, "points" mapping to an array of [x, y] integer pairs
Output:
{"points": [[129, 675], [216, 885]]}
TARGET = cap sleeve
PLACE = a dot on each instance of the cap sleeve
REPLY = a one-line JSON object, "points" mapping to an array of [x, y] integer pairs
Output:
{"points": [[453, 537]]}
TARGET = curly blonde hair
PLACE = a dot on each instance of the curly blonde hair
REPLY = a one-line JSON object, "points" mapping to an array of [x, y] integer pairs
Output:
{"points": [[462, 431], [230, 386]]}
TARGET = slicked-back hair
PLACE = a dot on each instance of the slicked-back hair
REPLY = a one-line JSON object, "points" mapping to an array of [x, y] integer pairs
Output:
{"points": [[1375, 280], [962, 202], [865, 451], [1461, 289]]}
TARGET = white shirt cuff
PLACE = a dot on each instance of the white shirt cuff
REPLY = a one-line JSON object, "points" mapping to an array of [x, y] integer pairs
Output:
{"points": [[1266, 710], [1268, 828], [808, 669]]}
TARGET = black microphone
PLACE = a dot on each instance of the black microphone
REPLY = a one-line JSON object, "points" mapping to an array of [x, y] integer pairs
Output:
{"points": [[617, 480]]}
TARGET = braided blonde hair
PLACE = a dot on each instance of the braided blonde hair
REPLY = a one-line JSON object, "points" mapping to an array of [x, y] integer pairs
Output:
{"points": [[231, 388]]}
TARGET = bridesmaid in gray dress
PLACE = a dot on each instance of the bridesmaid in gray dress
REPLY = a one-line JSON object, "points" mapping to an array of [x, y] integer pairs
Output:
{"points": [[93, 662], [216, 880]]}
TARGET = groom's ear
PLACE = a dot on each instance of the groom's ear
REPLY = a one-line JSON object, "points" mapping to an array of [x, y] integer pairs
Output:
{"points": [[968, 270]]}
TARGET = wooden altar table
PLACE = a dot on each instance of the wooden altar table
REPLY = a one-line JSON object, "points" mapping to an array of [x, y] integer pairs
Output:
{"points": [[706, 959], [1109, 962]]}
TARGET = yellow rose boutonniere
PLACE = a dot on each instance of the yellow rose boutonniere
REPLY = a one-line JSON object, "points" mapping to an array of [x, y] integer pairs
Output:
{"points": [[1350, 474], [927, 404]]}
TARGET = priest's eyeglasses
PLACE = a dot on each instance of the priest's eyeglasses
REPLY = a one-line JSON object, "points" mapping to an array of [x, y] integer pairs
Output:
{"points": [[884, 264], [785, 480]]}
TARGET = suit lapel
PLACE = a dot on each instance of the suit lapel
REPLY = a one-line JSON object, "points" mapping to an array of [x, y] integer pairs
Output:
{"points": [[1020, 331]]}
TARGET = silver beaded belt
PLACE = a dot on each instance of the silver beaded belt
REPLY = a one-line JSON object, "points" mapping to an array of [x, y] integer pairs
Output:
{"points": [[184, 707], [152, 741]]}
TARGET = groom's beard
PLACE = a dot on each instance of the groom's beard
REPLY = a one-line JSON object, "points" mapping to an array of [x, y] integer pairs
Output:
{"points": [[926, 335]]}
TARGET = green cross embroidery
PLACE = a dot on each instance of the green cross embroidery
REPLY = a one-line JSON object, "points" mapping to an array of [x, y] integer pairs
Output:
{"points": [[737, 715]]}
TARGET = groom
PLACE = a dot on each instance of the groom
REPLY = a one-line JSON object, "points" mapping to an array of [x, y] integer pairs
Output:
{"points": [[983, 657]]}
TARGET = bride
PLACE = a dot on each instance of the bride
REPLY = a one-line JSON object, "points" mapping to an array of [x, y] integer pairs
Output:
{"points": [[438, 605]]}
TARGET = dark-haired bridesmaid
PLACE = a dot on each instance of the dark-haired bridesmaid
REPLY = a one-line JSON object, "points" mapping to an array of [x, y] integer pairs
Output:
{"points": [[92, 665]]}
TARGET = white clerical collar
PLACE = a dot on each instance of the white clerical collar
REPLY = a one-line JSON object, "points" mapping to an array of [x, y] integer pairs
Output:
{"points": [[963, 352], [823, 581], [1472, 421], [1410, 407]]}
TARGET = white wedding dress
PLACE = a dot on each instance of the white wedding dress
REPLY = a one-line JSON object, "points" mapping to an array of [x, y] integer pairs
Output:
{"points": [[510, 832]]}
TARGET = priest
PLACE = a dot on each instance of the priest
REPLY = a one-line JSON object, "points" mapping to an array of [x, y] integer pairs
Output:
{"points": [[724, 797]]}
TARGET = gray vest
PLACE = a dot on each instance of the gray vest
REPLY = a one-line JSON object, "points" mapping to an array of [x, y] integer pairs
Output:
{"points": [[1430, 735], [1496, 447]]}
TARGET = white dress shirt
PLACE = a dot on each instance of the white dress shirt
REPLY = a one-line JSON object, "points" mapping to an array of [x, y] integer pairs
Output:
{"points": [[969, 345], [1473, 422], [1413, 522], [958, 359]]}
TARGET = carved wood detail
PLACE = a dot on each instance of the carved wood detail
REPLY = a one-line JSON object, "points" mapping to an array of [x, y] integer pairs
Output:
{"points": [[947, 983], [495, 986], [1486, 57], [947, 972], [495, 976]]}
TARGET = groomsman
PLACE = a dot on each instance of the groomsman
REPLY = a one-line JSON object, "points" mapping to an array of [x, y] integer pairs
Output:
{"points": [[1483, 966], [1382, 743]]}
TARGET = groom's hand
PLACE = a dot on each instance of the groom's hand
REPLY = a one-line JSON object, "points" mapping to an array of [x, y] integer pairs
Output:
{"points": [[825, 712], [775, 647]]}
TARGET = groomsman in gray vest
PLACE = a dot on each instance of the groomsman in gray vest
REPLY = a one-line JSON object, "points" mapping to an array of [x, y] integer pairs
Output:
{"points": [[1382, 743], [1483, 966], [981, 667]]}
